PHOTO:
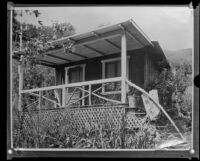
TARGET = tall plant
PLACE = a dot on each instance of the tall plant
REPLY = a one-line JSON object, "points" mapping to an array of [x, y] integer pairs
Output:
{"points": [[173, 85]]}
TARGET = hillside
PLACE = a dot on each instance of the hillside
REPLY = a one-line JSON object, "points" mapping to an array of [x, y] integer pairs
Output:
{"points": [[179, 56]]}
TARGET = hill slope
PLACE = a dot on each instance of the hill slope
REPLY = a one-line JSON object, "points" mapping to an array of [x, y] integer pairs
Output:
{"points": [[179, 56]]}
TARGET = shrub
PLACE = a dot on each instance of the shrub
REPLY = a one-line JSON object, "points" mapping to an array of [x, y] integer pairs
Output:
{"points": [[65, 133]]}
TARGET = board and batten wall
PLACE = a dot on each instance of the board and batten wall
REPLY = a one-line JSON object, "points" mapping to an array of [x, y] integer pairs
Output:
{"points": [[151, 71], [141, 68]]}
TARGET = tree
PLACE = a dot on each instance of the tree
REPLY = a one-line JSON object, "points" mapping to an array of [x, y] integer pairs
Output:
{"points": [[35, 44], [63, 29], [173, 87], [18, 26]]}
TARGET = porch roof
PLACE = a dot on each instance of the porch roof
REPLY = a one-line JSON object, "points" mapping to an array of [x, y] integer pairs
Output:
{"points": [[99, 42]]}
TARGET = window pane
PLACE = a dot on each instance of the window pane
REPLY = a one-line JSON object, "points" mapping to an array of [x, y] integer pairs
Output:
{"points": [[110, 70], [75, 75], [113, 69]]}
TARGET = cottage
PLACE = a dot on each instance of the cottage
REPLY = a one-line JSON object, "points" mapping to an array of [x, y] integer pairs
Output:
{"points": [[96, 72], [102, 61]]}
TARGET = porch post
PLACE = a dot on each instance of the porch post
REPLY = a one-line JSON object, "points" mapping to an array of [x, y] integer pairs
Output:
{"points": [[20, 72], [90, 91], [123, 67], [64, 89], [83, 78], [63, 96]]}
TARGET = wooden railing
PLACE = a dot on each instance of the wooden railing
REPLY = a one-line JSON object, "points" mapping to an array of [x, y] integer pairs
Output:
{"points": [[88, 92], [84, 87], [100, 81], [156, 103]]}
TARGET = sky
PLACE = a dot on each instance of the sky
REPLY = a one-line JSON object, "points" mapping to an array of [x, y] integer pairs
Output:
{"points": [[171, 26]]}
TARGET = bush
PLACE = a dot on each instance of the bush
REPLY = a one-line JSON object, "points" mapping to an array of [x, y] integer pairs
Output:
{"points": [[174, 92], [66, 134]]}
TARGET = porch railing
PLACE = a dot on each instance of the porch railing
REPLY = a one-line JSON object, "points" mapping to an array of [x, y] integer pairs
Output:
{"points": [[155, 103], [88, 92], [93, 89]]}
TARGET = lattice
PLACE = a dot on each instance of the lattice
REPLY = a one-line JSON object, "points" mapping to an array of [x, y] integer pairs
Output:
{"points": [[134, 121], [97, 115], [78, 118]]}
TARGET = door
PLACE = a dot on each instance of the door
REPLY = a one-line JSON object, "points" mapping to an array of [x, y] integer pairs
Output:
{"points": [[74, 75], [113, 69]]}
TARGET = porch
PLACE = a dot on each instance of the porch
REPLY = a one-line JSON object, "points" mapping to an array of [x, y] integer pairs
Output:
{"points": [[84, 94], [109, 85], [92, 105], [75, 119]]}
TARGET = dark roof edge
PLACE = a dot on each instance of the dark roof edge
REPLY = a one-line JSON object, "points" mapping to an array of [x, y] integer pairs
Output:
{"points": [[160, 53]]}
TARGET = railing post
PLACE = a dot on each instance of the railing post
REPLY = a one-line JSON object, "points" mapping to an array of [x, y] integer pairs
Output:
{"points": [[123, 67], [83, 93], [83, 79], [90, 92], [63, 96]]}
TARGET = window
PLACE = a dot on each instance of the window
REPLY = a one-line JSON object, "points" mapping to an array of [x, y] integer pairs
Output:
{"points": [[74, 74], [112, 68]]}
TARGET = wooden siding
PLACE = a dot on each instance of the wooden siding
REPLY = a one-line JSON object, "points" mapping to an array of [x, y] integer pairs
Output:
{"points": [[93, 70], [151, 71], [141, 68], [136, 68]]}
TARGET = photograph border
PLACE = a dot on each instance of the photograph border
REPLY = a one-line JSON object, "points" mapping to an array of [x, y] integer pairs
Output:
{"points": [[15, 153]]}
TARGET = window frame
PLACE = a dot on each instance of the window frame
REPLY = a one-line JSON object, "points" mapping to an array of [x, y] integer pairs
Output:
{"points": [[104, 72], [83, 78], [74, 66]]}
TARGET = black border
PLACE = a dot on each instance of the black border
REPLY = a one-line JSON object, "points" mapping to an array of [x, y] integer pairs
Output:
{"points": [[119, 154], [101, 2]]}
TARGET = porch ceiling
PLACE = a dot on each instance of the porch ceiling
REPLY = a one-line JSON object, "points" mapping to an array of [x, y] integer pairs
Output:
{"points": [[99, 42]]}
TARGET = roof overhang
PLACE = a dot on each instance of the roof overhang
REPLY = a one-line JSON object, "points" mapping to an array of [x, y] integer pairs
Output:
{"points": [[99, 42]]}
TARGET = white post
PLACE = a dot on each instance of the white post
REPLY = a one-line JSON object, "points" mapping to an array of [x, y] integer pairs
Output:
{"points": [[66, 82], [20, 71], [63, 96], [83, 79], [123, 67], [65, 90], [103, 75], [90, 92]]}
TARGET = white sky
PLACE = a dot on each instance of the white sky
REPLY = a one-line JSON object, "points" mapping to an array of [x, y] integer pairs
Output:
{"points": [[171, 26]]}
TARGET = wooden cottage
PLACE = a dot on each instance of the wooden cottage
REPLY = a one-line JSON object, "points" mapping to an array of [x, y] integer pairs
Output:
{"points": [[101, 64], [95, 77]]}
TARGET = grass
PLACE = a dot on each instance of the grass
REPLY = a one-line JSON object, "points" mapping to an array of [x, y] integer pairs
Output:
{"points": [[65, 133]]}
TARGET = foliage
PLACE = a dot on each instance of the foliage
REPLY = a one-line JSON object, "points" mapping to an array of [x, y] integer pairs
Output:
{"points": [[35, 42], [169, 84], [63, 29], [15, 79], [19, 27], [133, 91], [172, 85], [92, 135], [35, 38]]}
